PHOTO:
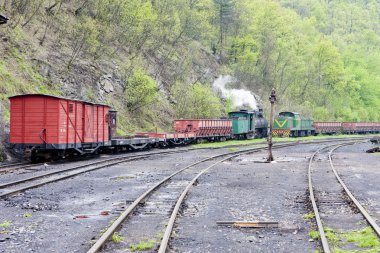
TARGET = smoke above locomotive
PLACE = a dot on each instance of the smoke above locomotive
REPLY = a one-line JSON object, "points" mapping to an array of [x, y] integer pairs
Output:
{"points": [[241, 98]]}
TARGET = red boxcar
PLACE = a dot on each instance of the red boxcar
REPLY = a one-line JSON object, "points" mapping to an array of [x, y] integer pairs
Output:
{"points": [[43, 122], [327, 127], [204, 127]]}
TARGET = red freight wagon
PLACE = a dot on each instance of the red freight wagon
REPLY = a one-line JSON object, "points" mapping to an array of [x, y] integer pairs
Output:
{"points": [[204, 127], [45, 124], [327, 127], [361, 127]]}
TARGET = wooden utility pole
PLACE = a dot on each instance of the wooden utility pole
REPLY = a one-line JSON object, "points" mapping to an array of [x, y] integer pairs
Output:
{"points": [[272, 100]]}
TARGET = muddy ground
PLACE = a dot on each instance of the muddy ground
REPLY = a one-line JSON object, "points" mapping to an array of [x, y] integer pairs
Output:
{"points": [[66, 216]]}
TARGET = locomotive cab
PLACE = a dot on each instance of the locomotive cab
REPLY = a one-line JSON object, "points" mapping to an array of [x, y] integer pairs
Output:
{"points": [[248, 124]]}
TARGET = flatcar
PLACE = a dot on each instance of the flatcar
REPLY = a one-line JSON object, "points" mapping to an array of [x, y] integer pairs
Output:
{"points": [[292, 124]]}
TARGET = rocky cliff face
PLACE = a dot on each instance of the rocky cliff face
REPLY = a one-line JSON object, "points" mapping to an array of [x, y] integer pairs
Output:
{"points": [[28, 66]]}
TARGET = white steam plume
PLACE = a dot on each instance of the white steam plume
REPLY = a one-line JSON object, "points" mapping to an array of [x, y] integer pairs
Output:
{"points": [[240, 97]]}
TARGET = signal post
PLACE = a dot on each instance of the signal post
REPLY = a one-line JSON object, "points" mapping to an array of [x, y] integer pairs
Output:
{"points": [[272, 100]]}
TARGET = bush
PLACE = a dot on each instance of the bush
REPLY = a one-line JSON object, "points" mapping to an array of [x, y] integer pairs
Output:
{"points": [[140, 91]]}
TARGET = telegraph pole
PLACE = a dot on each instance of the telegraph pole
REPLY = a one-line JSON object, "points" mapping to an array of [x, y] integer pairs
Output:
{"points": [[272, 100]]}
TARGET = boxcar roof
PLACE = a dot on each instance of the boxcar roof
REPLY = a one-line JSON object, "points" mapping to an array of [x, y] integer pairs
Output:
{"points": [[57, 97]]}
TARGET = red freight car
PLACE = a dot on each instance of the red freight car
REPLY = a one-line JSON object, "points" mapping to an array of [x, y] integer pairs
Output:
{"points": [[361, 127], [327, 127], [205, 128], [47, 125]]}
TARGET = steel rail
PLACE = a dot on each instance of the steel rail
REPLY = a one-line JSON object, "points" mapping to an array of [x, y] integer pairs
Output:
{"points": [[325, 140], [110, 230], [325, 243], [12, 164], [169, 228], [115, 225], [366, 215], [106, 235], [17, 167], [118, 161]]}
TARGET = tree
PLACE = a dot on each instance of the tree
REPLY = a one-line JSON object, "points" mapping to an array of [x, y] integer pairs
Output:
{"points": [[225, 19], [140, 91], [83, 38]]}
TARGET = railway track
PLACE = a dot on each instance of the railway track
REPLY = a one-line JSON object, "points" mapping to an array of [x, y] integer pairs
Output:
{"points": [[146, 219], [28, 167], [11, 164], [15, 166], [331, 199], [9, 189], [156, 198]]}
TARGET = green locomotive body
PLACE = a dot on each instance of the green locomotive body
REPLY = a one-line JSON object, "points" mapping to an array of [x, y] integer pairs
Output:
{"points": [[248, 124], [292, 124]]}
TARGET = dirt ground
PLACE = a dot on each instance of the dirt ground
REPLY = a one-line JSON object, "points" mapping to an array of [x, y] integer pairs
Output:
{"points": [[66, 216]]}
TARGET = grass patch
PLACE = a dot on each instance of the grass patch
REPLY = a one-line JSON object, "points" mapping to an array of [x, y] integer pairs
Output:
{"points": [[314, 234], [117, 238], [364, 238], [6, 224], [309, 216], [27, 215], [124, 177], [331, 235], [143, 245]]}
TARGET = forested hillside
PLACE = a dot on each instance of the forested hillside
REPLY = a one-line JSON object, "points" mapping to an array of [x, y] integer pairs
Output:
{"points": [[155, 60]]}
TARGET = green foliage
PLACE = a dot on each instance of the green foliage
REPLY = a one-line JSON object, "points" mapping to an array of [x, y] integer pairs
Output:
{"points": [[197, 101], [117, 238], [314, 235], [309, 216], [331, 235], [84, 38], [321, 56], [27, 215], [6, 224], [364, 238], [229, 105], [143, 245], [141, 90]]}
